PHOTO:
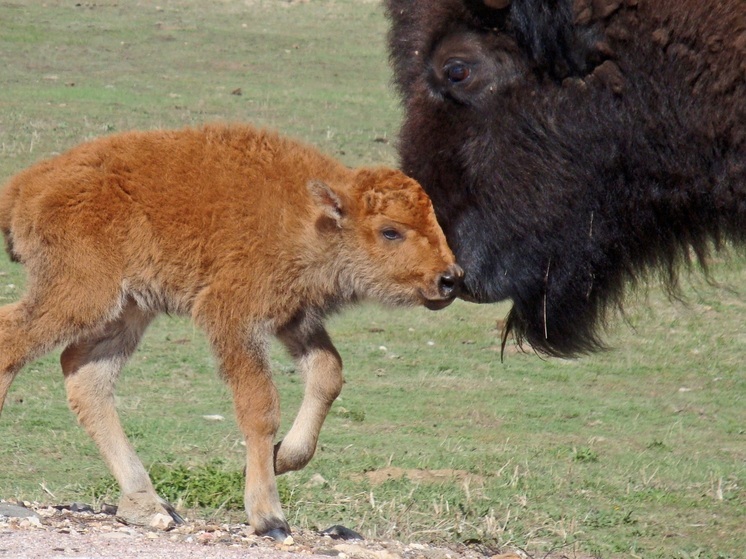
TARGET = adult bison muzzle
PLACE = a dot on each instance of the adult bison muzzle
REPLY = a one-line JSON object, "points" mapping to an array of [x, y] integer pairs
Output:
{"points": [[251, 235], [572, 147]]}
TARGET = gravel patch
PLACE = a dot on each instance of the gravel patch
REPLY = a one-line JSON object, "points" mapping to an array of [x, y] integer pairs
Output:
{"points": [[32, 530]]}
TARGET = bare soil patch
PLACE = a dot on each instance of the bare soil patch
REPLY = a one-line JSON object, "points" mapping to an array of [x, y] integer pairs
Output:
{"points": [[377, 477], [54, 532]]}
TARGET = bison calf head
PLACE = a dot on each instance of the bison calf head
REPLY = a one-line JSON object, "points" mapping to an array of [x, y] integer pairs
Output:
{"points": [[392, 242]]}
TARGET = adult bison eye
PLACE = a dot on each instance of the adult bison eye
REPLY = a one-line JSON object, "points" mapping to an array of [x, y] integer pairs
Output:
{"points": [[391, 234], [457, 71]]}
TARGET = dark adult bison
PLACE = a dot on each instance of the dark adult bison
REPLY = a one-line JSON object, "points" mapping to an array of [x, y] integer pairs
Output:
{"points": [[570, 147]]}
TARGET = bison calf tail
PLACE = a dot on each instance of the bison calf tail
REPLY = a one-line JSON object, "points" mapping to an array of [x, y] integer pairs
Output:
{"points": [[7, 200], [9, 247]]}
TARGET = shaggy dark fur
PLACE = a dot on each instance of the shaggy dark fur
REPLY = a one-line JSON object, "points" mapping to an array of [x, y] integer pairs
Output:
{"points": [[572, 148]]}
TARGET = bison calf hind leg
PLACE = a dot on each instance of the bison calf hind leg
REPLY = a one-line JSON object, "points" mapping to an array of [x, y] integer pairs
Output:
{"points": [[91, 369], [321, 367]]}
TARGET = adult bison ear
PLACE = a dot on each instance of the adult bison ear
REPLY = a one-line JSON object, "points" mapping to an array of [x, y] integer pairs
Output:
{"points": [[327, 200]]}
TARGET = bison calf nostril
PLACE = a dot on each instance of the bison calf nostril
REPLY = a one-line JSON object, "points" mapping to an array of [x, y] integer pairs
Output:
{"points": [[449, 282]]}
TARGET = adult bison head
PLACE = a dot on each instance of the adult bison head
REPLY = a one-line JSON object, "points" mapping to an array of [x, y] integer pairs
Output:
{"points": [[566, 147]]}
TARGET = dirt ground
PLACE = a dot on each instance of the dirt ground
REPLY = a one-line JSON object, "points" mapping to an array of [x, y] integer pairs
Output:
{"points": [[31, 530]]}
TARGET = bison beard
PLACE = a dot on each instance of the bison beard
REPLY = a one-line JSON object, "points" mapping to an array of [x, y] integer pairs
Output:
{"points": [[572, 148]]}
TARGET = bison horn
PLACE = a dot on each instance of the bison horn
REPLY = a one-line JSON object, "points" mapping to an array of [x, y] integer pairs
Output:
{"points": [[497, 4]]}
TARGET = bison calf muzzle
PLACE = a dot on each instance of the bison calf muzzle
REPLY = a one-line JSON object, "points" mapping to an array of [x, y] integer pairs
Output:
{"points": [[449, 285]]}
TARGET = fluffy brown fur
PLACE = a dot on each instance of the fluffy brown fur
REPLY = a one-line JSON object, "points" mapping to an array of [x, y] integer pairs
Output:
{"points": [[251, 235]]}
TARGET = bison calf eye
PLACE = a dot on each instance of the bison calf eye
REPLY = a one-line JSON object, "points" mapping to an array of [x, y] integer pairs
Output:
{"points": [[457, 71], [391, 234]]}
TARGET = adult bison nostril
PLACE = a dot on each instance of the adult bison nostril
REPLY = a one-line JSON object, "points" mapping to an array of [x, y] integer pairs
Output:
{"points": [[449, 283]]}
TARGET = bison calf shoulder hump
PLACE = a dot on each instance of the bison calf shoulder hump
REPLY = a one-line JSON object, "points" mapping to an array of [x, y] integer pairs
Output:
{"points": [[251, 235], [571, 147]]}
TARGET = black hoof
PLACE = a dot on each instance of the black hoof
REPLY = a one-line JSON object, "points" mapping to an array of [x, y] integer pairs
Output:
{"points": [[277, 534], [339, 532], [177, 518]]}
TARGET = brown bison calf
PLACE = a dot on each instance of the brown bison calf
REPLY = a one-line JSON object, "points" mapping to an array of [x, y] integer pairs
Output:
{"points": [[252, 235]]}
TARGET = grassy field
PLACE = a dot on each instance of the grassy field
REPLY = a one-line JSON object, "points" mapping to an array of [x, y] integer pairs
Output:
{"points": [[636, 452]]}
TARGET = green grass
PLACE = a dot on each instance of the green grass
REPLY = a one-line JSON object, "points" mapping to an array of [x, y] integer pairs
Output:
{"points": [[636, 452]]}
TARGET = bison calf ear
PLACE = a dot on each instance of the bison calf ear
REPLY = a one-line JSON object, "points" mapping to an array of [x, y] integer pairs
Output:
{"points": [[328, 200]]}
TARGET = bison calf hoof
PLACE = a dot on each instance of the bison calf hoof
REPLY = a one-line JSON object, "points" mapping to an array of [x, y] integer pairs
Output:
{"points": [[143, 509], [277, 529], [277, 534]]}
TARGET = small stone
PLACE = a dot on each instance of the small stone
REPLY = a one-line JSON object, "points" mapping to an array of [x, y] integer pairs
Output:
{"points": [[81, 507], [317, 480], [108, 509], [162, 522], [115, 536], [16, 511]]}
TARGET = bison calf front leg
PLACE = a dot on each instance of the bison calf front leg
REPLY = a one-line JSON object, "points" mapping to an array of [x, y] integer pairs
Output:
{"points": [[258, 415], [321, 367]]}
